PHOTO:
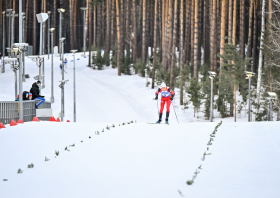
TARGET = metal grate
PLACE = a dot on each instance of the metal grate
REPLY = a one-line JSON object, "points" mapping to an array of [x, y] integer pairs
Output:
{"points": [[10, 110]]}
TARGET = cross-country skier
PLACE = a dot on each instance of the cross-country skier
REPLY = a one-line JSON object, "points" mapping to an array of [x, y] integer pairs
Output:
{"points": [[167, 96]]}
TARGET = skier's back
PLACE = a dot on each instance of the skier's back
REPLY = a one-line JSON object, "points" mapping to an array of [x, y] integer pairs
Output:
{"points": [[167, 96]]}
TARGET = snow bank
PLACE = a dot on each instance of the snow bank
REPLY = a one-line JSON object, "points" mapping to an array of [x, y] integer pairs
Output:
{"points": [[140, 160]]}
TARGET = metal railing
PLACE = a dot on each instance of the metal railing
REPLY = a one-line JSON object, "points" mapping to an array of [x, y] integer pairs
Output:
{"points": [[9, 110]]}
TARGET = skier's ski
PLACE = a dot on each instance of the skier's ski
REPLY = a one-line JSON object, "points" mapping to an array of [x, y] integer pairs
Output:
{"points": [[156, 123]]}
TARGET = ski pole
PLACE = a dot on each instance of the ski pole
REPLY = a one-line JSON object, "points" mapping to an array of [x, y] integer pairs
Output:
{"points": [[175, 112], [157, 108]]}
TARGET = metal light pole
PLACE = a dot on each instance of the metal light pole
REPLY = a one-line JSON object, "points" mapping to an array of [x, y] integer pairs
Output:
{"points": [[20, 21], [62, 83], [23, 54], [211, 76], [41, 18], [38, 61], [49, 24], [43, 80], [41, 38], [52, 95], [249, 76], [21, 47], [84, 9], [9, 30], [3, 67], [12, 33], [62, 71], [15, 66], [74, 83], [60, 10]]}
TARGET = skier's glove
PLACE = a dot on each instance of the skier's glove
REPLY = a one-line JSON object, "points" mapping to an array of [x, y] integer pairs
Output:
{"points": [[171, 98], [156, 98]]}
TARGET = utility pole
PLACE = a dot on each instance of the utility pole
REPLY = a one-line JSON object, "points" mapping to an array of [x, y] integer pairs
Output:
{"points": [[60, 10], [23, 54], [20, 21], [3, 47], [49, 24], [15, 66], [74, 83], [84, 9], [12, 33], [9, 30], [249, 76], [62, 72], [21, 47], [52, 95]]}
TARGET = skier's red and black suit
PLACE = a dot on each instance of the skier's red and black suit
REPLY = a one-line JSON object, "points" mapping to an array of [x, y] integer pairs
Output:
{"points": [[166, 94]]}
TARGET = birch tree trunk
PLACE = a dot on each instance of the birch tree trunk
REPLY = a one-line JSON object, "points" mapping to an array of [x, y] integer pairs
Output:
{"points": [[155, 46], [260, 57], [255, 36]]}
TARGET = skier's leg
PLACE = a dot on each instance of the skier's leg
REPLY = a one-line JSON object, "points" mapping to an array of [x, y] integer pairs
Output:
{"points": [[168, 103], [39, 101], [161, 110]]}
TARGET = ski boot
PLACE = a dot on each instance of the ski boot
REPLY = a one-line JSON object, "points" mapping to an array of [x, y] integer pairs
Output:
{"points": [[159, 120], [166, 119]]}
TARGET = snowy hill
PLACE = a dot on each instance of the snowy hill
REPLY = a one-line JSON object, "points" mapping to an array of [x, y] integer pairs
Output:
{"points": [[140, 160]]}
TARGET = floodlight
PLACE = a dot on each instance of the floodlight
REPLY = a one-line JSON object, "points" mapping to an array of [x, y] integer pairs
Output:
{"points": [[15, 49], [3, 12], [84, 8], [49, 12], [42, 17], [61, 10], [212, 74], [249, 74], [272, 95], [10, 60], [52, 29], [9, 10], [62, 39], [20, 45], [73, 51]]}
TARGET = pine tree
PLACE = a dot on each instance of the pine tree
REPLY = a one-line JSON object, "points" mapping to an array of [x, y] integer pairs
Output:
{"points": [[232, 68], [194, 93]]}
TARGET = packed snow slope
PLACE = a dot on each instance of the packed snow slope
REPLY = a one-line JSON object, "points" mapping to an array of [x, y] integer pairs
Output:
{"points": [[140, 160], [102, 95]]}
